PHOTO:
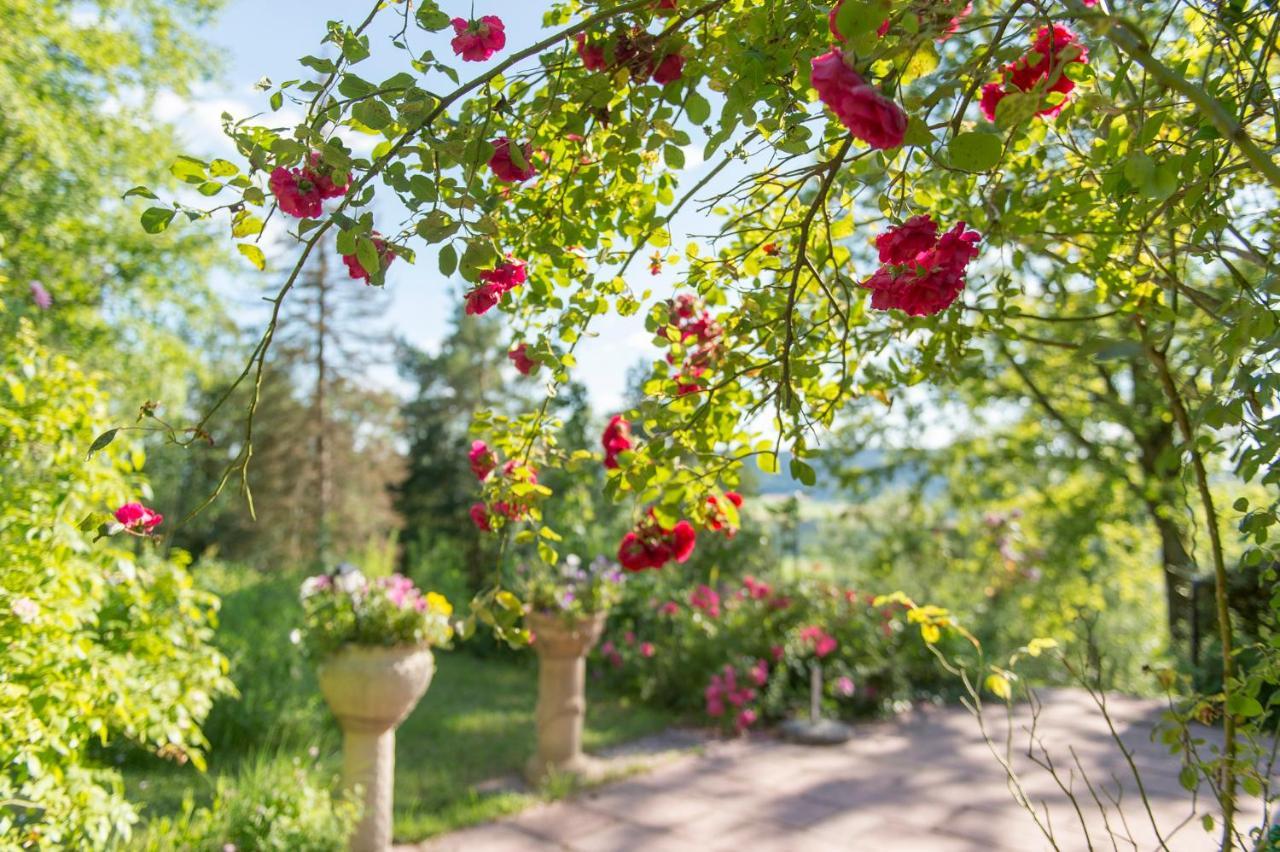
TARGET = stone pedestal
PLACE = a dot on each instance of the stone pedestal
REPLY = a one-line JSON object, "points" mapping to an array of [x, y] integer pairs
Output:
{"points": [[562, 650], [371, 690]]}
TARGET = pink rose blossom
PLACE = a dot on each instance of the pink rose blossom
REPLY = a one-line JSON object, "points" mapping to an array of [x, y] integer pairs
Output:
{"points": [[137, 518], [867, 114], [476, 41], [505, 168]]}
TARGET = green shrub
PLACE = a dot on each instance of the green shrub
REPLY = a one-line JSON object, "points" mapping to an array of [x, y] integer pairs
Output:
{"points": [[100, 643], [273, 805]]}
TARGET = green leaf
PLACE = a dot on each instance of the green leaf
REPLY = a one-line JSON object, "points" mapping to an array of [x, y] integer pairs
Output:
{"points": [[802, 472], [372, 114], [223, 168], [101, 442], [156, 219], [367, 255], [140, 191], [1244, 705], [673, 156], [861, 16], [430, 18], [189, 170], [697, 108], [437, 226], [253, 253], [448, 260], [975, 151]]}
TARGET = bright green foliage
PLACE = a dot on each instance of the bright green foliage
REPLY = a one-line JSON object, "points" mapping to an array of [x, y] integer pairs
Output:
{"points": [[79, 83], [100, 643], [272, 805]]}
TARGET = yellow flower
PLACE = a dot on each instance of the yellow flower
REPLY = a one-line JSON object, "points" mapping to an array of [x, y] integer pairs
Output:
{"points": [[438, 603]]}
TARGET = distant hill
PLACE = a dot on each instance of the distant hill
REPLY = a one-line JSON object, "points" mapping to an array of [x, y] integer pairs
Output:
{"points": [[826, 489]]}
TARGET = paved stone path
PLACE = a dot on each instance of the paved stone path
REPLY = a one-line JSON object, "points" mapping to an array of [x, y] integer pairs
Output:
{"points": [[928, 782]]}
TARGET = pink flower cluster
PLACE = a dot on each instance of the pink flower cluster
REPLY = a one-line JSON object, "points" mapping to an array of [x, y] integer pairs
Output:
{"points": [[724, 691], [1042, 69], [477, 40], [403, 593], [504, 165], [615, 440], [385, 255], [700, 334], [503, 278], [301, 192], [756, 590], [638, 51], [651, 545], [705, 599], [823, 643], [866, 113], [137, 519], [921, 273]]}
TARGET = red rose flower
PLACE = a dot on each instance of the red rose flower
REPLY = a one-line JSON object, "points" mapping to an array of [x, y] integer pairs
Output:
{"points": [[296, 194], [476, 41], [505, 168], [902, 243], [1053, 48], [385, 255], [717, 520], [520, 357], [669, 69], [868, 115], [323, 178], [480, 517], [650, 545], [593, 55], [615, 440], [138, 519], [916, 277], [482, 298], [506, 276], [482, 459]]}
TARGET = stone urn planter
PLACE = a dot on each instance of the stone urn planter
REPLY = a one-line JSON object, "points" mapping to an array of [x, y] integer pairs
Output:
{"points": [[562, 648], [371, 690]]}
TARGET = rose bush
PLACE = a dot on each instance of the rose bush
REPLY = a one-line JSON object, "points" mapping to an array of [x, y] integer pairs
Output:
{"points": [[738, 652], [104, 648]]}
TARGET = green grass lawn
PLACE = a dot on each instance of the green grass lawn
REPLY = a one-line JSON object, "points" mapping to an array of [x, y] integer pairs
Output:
{"points": [[474, 724]]}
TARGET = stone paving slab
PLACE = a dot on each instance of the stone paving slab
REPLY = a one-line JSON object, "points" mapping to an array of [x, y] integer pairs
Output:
{"points": [[926, 782]]}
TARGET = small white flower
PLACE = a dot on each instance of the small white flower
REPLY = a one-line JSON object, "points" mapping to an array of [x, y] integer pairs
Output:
{"points": [[311, 585], [26, 610], [351, 582], [295, 636], [573, 561]]}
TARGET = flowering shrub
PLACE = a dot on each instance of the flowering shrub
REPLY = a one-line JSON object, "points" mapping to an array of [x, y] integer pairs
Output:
{"points": [[347, 608], [571, 589], [739, 653], [100, 645]]}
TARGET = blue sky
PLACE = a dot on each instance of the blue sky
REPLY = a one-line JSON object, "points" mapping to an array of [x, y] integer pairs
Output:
{"points": [[265, 38]]}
